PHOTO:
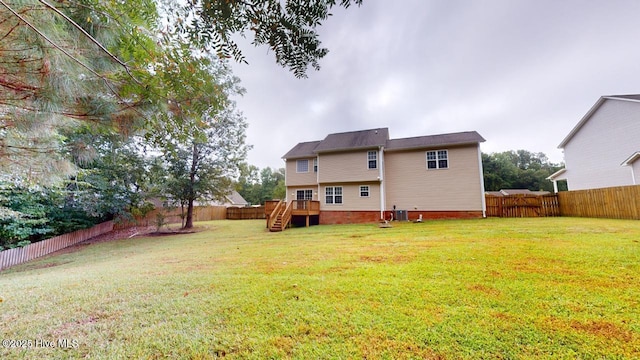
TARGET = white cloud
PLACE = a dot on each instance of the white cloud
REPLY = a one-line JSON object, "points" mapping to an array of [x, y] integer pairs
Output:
{"points": [[521, 73]]}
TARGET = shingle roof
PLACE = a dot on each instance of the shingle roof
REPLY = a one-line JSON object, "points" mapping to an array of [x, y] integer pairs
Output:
{"points": [[461, 138], [302, 150], [371, 138]]}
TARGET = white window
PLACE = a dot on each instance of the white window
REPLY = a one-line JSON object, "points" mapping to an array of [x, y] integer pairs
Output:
{"points": [[333, 194], [372, 159], [438, 159], [304, 195], [364, 191], [315, 165], [302, 166]]}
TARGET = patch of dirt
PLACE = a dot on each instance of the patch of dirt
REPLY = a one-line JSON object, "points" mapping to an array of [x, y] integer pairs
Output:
{"points": [[128, 233], [604, 329], [120, 234]]}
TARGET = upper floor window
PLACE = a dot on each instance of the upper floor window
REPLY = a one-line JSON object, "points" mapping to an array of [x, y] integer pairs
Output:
{"points": [[315, 165], [372, 159], [302, 166], [333, 194], [438, 159]]}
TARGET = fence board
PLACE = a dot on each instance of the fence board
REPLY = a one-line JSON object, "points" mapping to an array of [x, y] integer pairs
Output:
{"points": [[614, 203], [246, 213], [173, 216], [17, 256], [522, 205]]}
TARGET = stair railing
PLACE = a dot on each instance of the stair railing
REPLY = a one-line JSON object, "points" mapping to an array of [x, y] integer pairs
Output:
{"points": [[274, 214]]}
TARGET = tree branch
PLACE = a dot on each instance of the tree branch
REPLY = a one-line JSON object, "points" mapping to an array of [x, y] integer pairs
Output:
{"points": [[91, 38]]}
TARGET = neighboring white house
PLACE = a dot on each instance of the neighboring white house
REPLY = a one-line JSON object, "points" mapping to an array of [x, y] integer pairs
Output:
{"points": [[603, 148]]}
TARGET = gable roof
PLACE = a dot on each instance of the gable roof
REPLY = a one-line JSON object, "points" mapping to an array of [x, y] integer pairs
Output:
{"points": [[374, 138], [460, 138], [362, 139], [302, 150], [594, 108]]}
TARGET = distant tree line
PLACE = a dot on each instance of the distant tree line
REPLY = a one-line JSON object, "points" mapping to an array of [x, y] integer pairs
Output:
{"points": [[519, 169], [257, 186]]}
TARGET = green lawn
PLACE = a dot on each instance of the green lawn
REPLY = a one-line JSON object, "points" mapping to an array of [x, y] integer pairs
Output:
{"points": [[494, 288]]}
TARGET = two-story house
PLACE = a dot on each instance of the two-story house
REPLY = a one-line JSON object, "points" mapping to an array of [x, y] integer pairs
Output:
{"points": [[603, 148], [364, 176]]}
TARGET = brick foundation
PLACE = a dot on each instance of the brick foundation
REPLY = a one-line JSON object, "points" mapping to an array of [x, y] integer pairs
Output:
{"points": [[414, 215], [348, 217], [359, 217]]}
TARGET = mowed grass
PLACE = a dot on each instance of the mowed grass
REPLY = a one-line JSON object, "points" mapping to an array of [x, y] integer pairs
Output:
{"points": [[492, 288]]}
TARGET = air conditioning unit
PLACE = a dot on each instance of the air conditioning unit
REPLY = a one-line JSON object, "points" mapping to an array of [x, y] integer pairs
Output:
{"points": [[401, 215]]}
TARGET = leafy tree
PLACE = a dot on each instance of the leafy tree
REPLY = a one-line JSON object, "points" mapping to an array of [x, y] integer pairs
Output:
{"points": [[256, 186], [248, 183], [26, 218], [288, 28], [63, 66], [202, 162], [109, 62], [519, 169], [115, 180]]}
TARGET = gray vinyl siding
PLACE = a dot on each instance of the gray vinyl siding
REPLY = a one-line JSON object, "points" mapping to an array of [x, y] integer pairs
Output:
{"points": [[410, 185], [594, 155], [346, 167], [293, 178], [351, 200]]}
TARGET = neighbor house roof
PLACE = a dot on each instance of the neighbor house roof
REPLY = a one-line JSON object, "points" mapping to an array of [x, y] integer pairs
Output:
{"points": [[507, 192], [594, 108], [363, 139], [374, 138], [556, 175], [631, 159], [461, 138]]}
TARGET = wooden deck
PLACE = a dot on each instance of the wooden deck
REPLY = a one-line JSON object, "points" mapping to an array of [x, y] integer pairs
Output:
{"points": [[304, 208]]}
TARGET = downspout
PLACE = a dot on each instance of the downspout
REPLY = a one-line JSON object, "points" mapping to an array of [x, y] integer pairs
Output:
{"points": [[286, 188], [482, 192], [381, 178], [318, 178]]}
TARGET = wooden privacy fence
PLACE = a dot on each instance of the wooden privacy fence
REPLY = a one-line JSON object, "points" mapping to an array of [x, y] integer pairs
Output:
{"points": [[17, 256], [621, 202], [172, 216], [522, 205], [246, 213], [20, 255]]}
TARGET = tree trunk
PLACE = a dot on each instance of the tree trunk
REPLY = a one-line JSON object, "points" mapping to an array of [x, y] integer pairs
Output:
{"points": [[192, 179], [188, 224]]}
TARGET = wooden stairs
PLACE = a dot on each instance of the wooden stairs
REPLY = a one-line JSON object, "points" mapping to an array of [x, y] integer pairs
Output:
{"points": [[280, 218]]}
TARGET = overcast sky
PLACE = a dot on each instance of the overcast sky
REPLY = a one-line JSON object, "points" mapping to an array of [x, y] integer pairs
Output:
{"points": [[521, 73]]}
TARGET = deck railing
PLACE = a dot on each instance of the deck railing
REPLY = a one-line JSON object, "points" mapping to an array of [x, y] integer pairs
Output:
{"points": [[302, 207]]}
